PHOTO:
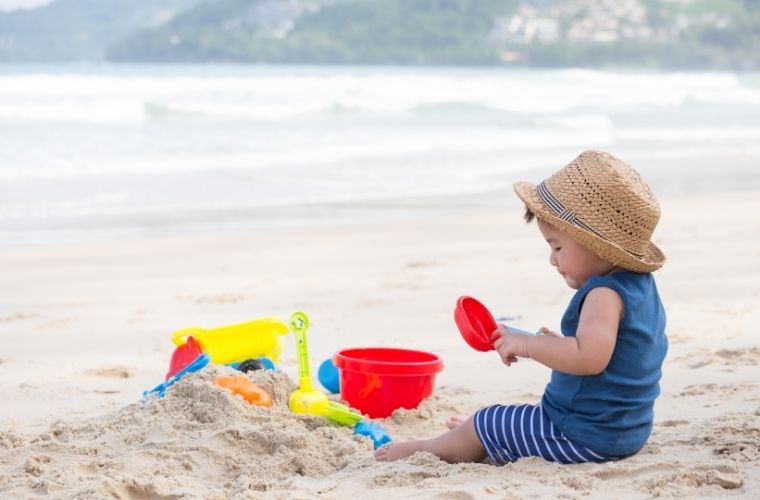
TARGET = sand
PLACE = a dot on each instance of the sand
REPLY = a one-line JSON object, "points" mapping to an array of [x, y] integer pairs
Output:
{"points": [[86, 327]]}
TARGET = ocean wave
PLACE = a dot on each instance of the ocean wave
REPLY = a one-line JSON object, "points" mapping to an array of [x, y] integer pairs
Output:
{"points": [[391, 147], [723, 136], [134, 144], [338, 92]]}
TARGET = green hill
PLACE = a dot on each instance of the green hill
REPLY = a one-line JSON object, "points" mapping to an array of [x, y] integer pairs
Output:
{"points": [[367, 32], [672, 34], [695, 34]]}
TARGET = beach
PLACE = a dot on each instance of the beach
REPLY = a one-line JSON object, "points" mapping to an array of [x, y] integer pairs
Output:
{"points": [[86, 328]]}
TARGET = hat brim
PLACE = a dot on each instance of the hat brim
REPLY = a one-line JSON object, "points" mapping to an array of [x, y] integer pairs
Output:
{"points": [[651, 260]]}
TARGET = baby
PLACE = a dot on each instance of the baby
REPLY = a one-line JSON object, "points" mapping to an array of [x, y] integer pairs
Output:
{"points": [[597, 215]]}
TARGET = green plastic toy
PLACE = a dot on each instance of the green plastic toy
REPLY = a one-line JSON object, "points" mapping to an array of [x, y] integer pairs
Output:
{"points": [[306, 399]]}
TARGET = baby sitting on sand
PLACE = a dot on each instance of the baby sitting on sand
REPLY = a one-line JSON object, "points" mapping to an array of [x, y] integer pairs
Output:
{"points": [[597, 215]]}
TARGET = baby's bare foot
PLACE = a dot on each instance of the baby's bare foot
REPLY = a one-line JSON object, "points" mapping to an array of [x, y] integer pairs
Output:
{"points": [[455, 421], [395, 451]]}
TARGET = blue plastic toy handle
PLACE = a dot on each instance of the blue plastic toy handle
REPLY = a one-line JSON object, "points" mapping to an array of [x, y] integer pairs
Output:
{"points": [[200, 362], [373, 431], [512, 329]]}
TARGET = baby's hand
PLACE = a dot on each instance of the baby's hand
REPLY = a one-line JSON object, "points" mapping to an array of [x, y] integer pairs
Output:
{"points": [[510, 346]]}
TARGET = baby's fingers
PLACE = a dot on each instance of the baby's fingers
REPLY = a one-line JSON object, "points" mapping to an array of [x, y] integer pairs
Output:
{"points": [[498, 333], [546, 331], [509, 360], [497, 343]]}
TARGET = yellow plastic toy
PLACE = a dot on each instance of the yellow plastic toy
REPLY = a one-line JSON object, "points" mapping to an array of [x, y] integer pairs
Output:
{"points": [[306, 399], [238, 342]]}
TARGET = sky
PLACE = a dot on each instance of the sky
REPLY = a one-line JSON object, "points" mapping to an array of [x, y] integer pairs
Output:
{"points": [[21, 4]]}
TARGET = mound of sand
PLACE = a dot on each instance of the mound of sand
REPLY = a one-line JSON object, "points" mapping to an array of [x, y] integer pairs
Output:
{"points": [[198, 438]]}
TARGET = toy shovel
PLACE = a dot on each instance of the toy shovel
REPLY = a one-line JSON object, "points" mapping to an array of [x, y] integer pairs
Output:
{"points": [[306, 399], [476, 324], [197, 365]]}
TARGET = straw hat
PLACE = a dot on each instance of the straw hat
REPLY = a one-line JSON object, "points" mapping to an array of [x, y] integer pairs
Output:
{"points": [[603, 204]]}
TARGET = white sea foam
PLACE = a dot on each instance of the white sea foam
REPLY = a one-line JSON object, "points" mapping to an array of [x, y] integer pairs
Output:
{"points": [[152, 141], [271, 96]]}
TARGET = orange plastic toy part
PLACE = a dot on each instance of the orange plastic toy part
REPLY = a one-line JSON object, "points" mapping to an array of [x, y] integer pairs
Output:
{"points": [[242, 385]]}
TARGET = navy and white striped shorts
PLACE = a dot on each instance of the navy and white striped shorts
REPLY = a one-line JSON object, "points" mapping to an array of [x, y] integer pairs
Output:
{"points": [[512, 432]]}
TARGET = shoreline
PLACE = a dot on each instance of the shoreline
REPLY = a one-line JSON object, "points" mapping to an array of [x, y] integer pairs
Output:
{"points": [[690, 180]]}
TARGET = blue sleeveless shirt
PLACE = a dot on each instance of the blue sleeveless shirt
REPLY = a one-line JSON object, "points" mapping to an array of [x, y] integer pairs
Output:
{"points": [[611, 413]]}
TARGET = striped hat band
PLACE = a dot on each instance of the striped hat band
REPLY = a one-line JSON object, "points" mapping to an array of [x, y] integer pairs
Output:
{"points": [[564, 213]]}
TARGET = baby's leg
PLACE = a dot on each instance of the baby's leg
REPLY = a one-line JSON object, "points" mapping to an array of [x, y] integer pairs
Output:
{"points": [[460, 444]]}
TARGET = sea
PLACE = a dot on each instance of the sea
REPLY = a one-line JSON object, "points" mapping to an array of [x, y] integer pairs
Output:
{"points": [[92, 152]]}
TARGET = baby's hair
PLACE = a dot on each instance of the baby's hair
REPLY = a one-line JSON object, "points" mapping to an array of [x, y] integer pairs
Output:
{"points": [[529, 215]]}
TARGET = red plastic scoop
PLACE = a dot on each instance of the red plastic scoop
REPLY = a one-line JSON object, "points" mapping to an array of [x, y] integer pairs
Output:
{"points": [[183, 356], [475, 323]]}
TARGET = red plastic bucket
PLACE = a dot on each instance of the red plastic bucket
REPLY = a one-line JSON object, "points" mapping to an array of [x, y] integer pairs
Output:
{"points": [[379, 380]]}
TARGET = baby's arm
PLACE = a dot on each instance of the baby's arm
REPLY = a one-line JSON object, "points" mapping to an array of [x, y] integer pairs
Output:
{"points": [[588, 353]]}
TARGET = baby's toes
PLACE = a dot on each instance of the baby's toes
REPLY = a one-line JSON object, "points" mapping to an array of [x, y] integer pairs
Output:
{"points": [[454, 421], [381, 454]]}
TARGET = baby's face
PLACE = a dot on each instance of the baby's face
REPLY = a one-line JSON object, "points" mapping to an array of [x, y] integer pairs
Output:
{"points": [[574, 262]]}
